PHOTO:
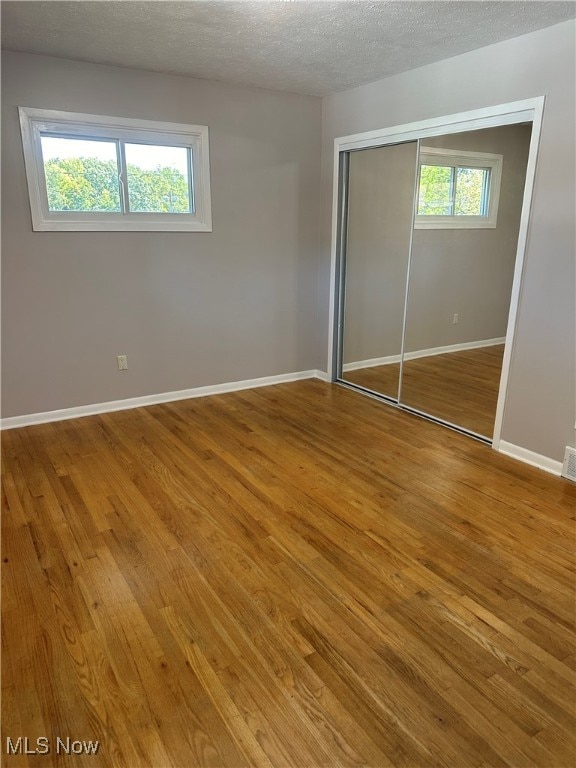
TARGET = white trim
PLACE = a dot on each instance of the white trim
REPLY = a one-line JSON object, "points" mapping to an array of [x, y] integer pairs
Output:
{"points": [[14, 422], [34, 122], [519, 266], [473, 120], [528, 110], [529, 457], [431, 352], [372, 362]]}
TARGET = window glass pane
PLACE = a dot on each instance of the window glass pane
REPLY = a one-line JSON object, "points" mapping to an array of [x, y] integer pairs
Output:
{"points": [[471, 184], [81, 174], [435, 197], [158, 179]]}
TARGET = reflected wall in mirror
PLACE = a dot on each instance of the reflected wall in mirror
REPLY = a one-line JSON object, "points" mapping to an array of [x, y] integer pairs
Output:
{"points": [[461, 273], [379, 229]]}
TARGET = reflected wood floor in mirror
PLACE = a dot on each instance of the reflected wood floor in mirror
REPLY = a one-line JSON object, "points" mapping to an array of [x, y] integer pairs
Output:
{"points": [[459, 387], [284, 577]]}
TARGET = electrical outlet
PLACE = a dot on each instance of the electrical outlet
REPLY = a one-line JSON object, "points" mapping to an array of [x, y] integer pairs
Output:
{"points": [[455, 319], [122, 362]]}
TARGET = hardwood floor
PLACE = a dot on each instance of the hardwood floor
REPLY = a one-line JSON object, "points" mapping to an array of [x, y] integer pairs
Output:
{"points": [[459, 387], [288, 576]]}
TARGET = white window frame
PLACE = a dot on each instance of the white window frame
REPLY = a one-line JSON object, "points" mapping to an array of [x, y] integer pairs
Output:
{"points": [[35, 123], [462, 159]]}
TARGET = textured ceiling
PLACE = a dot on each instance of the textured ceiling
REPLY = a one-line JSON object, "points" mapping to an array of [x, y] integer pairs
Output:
{"points": [[306, 47]]}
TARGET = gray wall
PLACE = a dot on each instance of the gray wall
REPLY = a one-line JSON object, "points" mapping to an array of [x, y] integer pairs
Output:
{"points": [[380, 205], [242, 302], [540, 408], [463, 271], [469, 271], [189, 309]]}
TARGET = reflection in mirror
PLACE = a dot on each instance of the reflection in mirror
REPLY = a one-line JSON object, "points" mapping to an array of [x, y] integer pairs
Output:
{"points": [[461, 272], [379, 228]]}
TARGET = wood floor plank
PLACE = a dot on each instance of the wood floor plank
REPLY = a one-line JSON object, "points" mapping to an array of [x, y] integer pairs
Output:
{"points": [[294, 576], [459, 387]]}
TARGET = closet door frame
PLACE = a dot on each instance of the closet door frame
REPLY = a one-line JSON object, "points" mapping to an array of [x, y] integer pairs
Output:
{"points": [[528, 110]]}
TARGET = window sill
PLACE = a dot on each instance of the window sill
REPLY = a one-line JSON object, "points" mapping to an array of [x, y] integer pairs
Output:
{"points": [[450, 223], [124, 225]]}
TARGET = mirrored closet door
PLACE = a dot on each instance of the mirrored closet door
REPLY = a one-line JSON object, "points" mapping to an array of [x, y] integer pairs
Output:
{"points": [[380, 206], [427, 266]]}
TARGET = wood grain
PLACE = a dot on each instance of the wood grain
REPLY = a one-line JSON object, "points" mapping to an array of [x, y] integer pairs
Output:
{"points": [[459, 387], [289, 576]]}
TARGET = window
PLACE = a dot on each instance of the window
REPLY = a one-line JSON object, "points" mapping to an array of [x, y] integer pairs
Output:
{"points": [[458, 190], [108, 174]]}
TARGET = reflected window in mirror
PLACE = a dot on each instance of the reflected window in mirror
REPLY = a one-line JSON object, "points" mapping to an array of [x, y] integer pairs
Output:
{"points": [[457, 190]]}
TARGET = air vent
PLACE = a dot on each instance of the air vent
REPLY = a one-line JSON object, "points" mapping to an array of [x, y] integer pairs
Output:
{"points": [[569, 466]]}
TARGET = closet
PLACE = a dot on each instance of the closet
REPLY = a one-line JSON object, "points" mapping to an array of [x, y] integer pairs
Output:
{"points": [[427, 261]]}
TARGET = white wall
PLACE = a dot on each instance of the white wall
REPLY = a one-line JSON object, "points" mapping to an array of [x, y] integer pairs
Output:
{"points": [[189, 309], [540, 409]]}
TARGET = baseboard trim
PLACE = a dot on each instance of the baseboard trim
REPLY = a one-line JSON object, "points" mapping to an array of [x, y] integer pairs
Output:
{"points": [[529, 457], [390, 359], [372, 363], [28, 420], [14, 422]]}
